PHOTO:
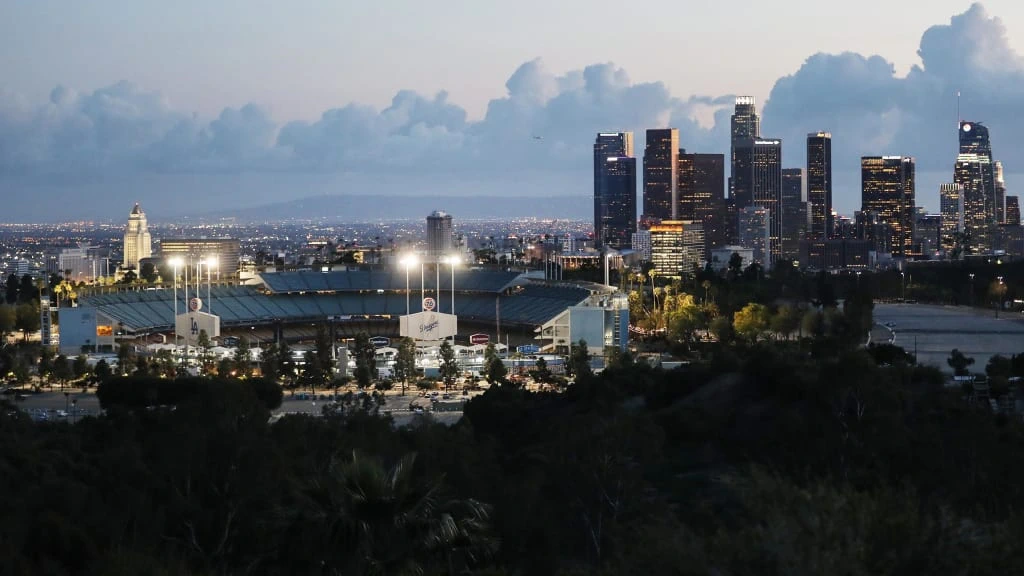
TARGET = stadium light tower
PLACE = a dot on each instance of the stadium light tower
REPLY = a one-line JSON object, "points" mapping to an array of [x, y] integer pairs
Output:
{"points": [[408, 261], [453, 261], [211, 263], [176, 263]]}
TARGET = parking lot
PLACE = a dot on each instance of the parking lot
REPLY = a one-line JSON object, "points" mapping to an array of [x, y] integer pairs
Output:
{"points": [[934, 331]]}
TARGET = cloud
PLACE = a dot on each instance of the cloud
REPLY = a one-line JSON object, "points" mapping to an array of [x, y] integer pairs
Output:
{"points": [[860, 99]]}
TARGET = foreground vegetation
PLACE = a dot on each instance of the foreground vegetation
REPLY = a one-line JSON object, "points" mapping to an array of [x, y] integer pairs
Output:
{"points": [[763, 457]]}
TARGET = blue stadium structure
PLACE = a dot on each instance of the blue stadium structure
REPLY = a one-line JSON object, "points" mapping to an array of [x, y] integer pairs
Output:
{"points": [[351, 300]]}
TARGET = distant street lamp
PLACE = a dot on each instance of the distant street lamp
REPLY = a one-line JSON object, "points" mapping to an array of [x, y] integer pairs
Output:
{"points": [[999, 294], [971, 276]]}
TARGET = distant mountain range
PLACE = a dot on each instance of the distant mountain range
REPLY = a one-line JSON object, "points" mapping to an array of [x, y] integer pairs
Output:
{"points": [[356, 208]]}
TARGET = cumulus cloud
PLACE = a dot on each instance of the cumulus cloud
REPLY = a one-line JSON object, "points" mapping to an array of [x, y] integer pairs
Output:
{"points": [[860, 99], [870, 110]]}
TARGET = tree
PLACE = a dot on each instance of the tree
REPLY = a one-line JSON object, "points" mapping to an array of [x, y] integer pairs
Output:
{"points": [[124, 358], [27, 320], [148, 273], [62, 370], [81, 366], [542, 373], [101, 373], [449, 366], [959, 362], [405, 362], [8, 321], [785, 321], [312, 370], [366, 360], [27, 291], [751, 321], [11, 290], [270, 362], [721, 327], [494, 368], [242, 358], [735, 265], [204, 344], [45, 367], [579, 360], [129, 277], [286, 363]]}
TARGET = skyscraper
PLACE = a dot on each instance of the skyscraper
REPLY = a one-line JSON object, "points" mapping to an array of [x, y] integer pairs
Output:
{"points": [[661, 170], [975, 173], [677, 247], [439, 234], [137, 242], [951, 209], [1013, 210], [1000, 187], [614, 190], [794, 212], [753, 224], [767, 190], [701, 188], [887, 189], [819, 184], [745, 125]]}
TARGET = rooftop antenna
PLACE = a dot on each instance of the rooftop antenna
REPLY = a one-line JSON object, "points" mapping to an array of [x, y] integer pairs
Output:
{"points": [[958, 117]]}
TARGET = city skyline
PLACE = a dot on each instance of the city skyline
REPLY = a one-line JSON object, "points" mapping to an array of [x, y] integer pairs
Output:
{"points": [[129, 142]]}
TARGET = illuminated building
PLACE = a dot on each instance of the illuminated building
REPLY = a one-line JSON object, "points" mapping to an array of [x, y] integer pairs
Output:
{"points": [[745, 125], [794, 214], [887, 189], [439, 234], [224, 250], [614, 190], [819, 184], [661, 170], [677, 247], [1013, 210], [767, 189], [642, 244], [1000, 190], [951, 209], [137, 242], [975, 173], [701, 188], [753, 230]]}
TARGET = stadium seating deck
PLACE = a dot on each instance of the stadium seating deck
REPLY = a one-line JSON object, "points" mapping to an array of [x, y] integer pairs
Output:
{"points": [[153, 310]]}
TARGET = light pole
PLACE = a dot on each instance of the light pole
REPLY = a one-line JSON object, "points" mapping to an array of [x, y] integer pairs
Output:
{"points": [[453, 261], [999, 294], [971, 276], [175, 264], [903, 288], [408, 261], [211, 263]]}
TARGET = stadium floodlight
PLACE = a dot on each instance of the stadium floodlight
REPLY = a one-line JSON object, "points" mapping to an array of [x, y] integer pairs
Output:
{"points": [[409, 260]]}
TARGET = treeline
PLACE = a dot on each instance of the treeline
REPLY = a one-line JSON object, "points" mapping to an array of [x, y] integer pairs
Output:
{"points": [[760, 458]]}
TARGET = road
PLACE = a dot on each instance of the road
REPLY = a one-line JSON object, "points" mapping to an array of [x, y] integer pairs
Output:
{"points": [[397, 405], [934, 331]]}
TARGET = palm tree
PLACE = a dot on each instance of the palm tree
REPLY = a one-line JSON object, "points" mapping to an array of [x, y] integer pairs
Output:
{"points": [[378, 520]]}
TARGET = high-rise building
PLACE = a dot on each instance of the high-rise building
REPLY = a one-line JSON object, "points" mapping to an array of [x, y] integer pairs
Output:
{"points": [[1013, 210], [677, 247], [642, 244], [1000, 188], [767, 190], [614, 189], [661, 171], [745, 126], [887, 188], [137, 242], [951, 209], [819, 184], [701, 195], [975, 172], [82, 264], [224, 251], [753, 230], [439, 234], [927, 232], [794, 213]]}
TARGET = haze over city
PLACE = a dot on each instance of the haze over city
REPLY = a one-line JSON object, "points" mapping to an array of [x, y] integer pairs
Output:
{"points": [[193, 109]]}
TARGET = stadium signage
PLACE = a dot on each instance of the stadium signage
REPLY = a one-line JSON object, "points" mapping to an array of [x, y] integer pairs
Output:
{"points": [[429, 304], [428, 326], [479, 339]]}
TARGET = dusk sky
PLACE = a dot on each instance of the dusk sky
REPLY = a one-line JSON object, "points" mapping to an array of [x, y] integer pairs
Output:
{"points": [[242, 103]]}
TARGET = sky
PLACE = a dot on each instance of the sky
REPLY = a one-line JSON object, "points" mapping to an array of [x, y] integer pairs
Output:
{"points": [[185, 105]]}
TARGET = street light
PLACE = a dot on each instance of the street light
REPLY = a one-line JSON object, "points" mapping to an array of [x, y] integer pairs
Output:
{"points": [[971, 276], [903, 287], [453, 261], [999, 294]]}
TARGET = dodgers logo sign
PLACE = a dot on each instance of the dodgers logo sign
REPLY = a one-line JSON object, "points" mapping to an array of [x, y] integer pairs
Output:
{"points": [[429, 326], [428, 304], [195, 327]]}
